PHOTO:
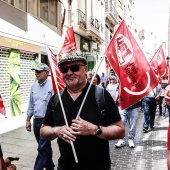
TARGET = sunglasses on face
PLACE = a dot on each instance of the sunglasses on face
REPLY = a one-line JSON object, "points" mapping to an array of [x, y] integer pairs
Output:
{"points": [[37, 71], [73, 68]]}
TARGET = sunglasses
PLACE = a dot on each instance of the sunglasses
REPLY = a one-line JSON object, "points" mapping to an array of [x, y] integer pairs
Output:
{"points": [[73, 68], [37, 71]]}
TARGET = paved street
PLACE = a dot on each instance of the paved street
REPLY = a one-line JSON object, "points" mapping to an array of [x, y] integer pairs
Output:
{"points": [[150, 151]]}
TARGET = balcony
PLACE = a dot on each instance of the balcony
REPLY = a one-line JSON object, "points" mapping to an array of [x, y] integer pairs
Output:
{"points": [[111, 13], [79, 18]]}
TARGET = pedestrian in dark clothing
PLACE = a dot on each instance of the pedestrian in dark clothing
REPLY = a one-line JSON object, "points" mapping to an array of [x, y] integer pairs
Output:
{"points": [[92, 130]]}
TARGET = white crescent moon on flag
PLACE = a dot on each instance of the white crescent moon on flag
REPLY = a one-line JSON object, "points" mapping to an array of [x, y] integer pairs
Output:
{"points": [[163, 73], [141, 92]]}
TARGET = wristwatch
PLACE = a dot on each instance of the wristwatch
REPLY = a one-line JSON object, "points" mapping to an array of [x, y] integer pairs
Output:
{"points": [[98, 131]]}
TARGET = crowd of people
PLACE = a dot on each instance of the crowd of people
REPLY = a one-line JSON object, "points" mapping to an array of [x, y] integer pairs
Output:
{"points": [[90, 132]]}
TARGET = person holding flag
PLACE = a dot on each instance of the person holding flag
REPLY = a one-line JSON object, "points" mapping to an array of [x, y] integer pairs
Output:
{"points": [[89, 132]]}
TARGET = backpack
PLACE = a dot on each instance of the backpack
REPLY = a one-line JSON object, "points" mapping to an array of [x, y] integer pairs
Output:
{"points": [[99, 95]]}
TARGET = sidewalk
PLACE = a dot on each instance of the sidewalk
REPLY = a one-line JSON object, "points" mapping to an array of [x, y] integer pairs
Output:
{"points": [[150, 151]]}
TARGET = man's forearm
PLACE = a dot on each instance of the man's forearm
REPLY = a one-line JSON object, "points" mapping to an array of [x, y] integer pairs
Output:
{"points": [[48, 132], [112, 132]]}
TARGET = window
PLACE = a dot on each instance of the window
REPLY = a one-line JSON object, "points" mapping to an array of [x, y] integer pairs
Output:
{"points": [[32, 7], [44, 9], [21, 4], [52, 12], [9, 1]]}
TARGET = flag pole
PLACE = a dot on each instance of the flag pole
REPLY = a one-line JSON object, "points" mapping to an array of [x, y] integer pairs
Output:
{"points": [[62, 107], [89, 88]]}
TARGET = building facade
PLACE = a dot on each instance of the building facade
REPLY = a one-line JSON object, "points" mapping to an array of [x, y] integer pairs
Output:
{"points": [[26, 25]]}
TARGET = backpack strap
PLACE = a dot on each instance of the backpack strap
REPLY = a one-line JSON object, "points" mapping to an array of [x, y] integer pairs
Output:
{"points": [[99, 95], [56, 99]]}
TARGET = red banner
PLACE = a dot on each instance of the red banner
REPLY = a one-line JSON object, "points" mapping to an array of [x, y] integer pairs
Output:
{"points": [[2, 108], [136, 76], [69, 42], [55, 72], [158, 63]]}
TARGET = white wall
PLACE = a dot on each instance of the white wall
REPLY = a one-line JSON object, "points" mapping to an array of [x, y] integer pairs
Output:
{"points": [[34, 33]]}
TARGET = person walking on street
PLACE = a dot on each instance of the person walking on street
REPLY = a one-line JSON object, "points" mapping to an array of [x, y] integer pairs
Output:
{"points": [[104, 80], [149, 104], [131, 115], [113, 88], [40, 95], [162, 104], [92, 130]]}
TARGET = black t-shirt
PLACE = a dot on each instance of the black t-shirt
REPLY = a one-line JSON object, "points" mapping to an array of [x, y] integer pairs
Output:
{"points": [[92, 152]]}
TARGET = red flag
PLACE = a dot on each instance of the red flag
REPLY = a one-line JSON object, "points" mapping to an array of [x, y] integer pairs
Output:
{"points": [[2, 108], [135, 74], [69, 42], [158, 63], [55, 72]]}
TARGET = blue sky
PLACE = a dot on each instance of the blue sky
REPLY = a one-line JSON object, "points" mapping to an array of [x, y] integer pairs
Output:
{"points": [[154, 16]]}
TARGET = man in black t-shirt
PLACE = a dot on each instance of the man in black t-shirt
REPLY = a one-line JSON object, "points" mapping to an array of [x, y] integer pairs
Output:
{"points": [[91, 131]]}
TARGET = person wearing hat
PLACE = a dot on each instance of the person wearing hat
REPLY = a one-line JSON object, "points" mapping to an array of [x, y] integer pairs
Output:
{"points": [[41, 92], [91, 131]]}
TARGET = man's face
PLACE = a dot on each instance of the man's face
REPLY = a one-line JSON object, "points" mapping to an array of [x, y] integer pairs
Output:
{"points": [[111, 73], [74, 73], [90, 75], [41, 75]]}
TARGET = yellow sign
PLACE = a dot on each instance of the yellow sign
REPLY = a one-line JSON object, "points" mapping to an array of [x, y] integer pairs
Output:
{"points": [[16, 44]]}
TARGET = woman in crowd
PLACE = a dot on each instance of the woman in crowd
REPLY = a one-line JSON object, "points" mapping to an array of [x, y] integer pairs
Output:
{"points": [[113, 88], [96, 80]]}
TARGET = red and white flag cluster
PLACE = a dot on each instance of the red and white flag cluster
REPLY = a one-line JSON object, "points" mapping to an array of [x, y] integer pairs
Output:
{"points": [[136, 76], [2, 107], [158, 64], [69, 42]]}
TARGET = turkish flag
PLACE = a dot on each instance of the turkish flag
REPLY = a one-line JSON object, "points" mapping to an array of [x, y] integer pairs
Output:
{"points": [[56, 76], [69, 42], [158, 63], [136, 76], [2, 108]]}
